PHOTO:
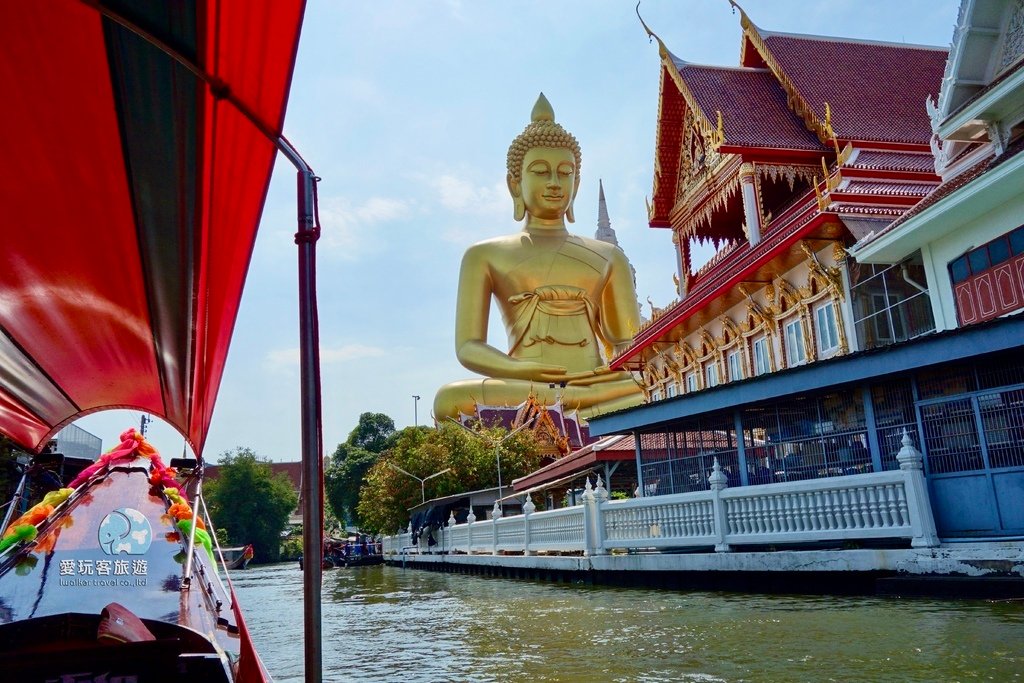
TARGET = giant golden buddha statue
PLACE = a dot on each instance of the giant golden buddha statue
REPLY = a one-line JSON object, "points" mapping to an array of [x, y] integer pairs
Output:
{"points": [[568, 302]]}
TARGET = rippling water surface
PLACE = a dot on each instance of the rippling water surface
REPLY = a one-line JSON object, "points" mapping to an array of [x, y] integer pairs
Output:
{"points": [[393, 624]]}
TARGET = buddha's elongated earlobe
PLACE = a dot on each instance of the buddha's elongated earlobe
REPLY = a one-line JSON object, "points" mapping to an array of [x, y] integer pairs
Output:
{"points": [[569, 216], [519, 208], [518, 205]]}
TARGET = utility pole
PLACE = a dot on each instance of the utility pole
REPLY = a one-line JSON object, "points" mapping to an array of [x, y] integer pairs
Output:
{"points": [[415, 414]]}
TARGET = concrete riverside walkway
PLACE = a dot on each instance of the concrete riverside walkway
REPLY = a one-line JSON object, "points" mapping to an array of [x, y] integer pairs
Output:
{"points": [[956, 570]]}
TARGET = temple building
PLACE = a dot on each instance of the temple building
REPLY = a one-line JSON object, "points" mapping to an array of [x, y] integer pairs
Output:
{"points": [[868, 268]]}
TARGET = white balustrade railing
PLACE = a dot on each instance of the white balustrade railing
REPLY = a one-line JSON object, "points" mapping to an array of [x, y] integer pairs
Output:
{"points": [[863, 506]]}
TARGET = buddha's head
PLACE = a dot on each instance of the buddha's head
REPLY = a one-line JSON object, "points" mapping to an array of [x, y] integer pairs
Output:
{"points": [[544, 167]]}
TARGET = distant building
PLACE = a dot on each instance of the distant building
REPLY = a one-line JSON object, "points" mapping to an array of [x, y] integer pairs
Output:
{"points": [[75, 442], [293, 470]]}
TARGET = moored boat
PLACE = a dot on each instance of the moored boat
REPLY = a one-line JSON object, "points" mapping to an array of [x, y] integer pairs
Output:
{"points": [[146, 135], [237, 557]]}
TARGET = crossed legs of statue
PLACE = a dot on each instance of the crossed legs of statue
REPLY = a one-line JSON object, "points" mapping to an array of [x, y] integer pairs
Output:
{"points": [[616, 393]]}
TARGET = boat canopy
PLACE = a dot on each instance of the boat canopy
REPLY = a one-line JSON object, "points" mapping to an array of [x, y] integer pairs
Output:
{"points": [[139, 139]]}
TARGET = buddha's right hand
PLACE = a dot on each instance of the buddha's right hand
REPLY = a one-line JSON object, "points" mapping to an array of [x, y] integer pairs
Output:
{"points": [[537, 372]]}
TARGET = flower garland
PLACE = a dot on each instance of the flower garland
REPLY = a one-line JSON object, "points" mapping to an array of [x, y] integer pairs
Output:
{"points": [[133, 445]]}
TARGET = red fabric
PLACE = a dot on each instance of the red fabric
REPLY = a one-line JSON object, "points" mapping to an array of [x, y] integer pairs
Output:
{"points": [[73, 288], [71, 284], [250, 666]]}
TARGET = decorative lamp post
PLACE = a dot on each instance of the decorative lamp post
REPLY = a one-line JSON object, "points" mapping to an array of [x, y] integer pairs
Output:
{"points": [[422, 481], [497, 450]]}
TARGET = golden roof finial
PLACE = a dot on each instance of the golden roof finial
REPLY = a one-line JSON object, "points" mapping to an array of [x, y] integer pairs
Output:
{"points": [[542, 110], [662, 50], [744, 19]]}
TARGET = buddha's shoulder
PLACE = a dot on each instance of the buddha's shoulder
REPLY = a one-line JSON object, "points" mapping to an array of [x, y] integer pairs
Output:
{"points": [[608, 252], [494, 247]]}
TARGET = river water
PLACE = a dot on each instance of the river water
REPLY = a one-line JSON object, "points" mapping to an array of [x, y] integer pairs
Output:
{"points": [[407, 625]]}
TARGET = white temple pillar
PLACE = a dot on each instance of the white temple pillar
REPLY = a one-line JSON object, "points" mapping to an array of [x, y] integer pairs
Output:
{"points": [[751, 210]]}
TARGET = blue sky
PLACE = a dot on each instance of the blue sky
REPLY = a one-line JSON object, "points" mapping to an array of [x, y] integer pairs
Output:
{"points": [[406, 110]]}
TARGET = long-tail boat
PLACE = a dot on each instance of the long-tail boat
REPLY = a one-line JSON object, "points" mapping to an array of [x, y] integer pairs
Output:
{"points": [[139, 139]]}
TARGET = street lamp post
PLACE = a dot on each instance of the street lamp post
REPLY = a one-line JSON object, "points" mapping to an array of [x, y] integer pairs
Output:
{"points": [[497, 449], [422, 481], [415, 412]]}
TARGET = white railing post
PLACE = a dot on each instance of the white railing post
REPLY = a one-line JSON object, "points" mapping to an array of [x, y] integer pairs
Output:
{"points": [[495, 516], [450, 532], [470, 518], [590, 536], [528, 509], [717, 481], [922, 522], [600, 498]]}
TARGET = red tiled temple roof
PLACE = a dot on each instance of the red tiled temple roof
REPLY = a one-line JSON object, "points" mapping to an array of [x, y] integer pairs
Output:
{"points": [[949, 187], [877, 160], [753, 106], [292, 469], [619, 449], [876, 91]]}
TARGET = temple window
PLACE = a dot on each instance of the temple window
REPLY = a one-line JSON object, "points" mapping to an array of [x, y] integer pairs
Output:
{"points": [[711, 373], [691, 382], [761, 362], [671, 389], [656, 395], [795, 353], [828, 335], [890, 302], [735, 366]]}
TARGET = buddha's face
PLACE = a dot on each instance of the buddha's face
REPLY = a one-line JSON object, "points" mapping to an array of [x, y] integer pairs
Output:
{"points": [[548, 181]]}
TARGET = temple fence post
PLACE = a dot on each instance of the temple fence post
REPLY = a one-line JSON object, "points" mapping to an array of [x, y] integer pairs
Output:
{"points": [[922, 521], [495, 516], [718, 482]]}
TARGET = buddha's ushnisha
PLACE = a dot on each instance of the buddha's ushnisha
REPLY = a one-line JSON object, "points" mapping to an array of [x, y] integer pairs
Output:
{"points": [[568, 302]]}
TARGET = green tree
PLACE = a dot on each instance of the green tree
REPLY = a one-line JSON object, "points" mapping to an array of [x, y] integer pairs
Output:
{"points": [[352, 460], [372, 432], [251, 502], [343, 479], [387, 495]]}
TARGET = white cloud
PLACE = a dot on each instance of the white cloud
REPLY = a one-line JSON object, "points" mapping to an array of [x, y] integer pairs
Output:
{"points": [[345, 224], [280, 359], [465, 197]]}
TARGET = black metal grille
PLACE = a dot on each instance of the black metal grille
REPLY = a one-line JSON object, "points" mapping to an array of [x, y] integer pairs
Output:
{"points": [[681, 460], [806, 437], [946, 380], [951, 436], [1002, 370], [970, 415], [1002, 418], [893, 403]]}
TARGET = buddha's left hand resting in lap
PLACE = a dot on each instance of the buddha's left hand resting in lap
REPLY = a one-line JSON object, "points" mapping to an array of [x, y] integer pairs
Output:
{"points": [[568, 302]]}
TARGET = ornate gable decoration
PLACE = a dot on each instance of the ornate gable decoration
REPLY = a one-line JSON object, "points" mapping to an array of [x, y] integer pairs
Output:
{"points": [[545, 431], [712, 132], [795, 101]]}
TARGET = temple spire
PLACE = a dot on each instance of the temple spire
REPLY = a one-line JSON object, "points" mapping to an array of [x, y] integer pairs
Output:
{"points": [[604, 224]]}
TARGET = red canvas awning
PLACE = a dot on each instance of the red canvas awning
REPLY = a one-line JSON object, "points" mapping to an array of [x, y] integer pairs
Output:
{"points": [[130, 194]]}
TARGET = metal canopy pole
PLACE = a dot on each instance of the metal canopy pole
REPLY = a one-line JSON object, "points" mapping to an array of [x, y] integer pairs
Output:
{"points": [[312, 450]]}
